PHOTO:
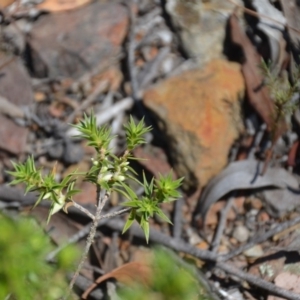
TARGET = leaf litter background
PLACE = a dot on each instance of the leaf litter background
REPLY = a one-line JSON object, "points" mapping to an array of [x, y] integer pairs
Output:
{"points": [[191, 68]]}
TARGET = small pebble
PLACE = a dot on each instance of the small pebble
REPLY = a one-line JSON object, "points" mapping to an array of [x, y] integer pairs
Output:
{"points": [[241, 234], [254, 252]]}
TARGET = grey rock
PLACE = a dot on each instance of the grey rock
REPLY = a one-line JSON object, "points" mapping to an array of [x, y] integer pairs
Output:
{"points": [[201, 26]]}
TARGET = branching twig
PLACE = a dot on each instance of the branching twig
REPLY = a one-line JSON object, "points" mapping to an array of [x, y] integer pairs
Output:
{"points": [[84, 210], [83, 232], [102, 198], [114, 214]]}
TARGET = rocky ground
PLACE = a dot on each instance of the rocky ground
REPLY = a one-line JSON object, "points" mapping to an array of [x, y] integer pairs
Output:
{"points": [[192, 69]]}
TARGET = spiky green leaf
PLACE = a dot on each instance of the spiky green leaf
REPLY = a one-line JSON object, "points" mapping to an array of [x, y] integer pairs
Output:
{"points": [[160, 213], [129, 221]]}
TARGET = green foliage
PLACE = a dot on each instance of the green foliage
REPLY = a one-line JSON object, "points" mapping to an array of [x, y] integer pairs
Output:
{"points": [[172, 279], [156, 192], [97, 137], [166, 188], [24, 273], [134, 133], [108, 172], [282, 91], [46, 186]]}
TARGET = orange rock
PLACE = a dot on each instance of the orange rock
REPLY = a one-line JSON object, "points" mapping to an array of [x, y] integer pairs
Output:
{"points": [[199, 111]]}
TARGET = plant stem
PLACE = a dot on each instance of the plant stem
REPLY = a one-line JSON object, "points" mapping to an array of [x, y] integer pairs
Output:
{"points": [[102, 196], [84, 210], [85, 231], [116, 213]]}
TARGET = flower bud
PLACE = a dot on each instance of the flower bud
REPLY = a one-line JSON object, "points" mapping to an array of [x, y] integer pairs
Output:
{"points": [[103, 170], [94, 162], [124, 164], [119, 177], [104, 177]]}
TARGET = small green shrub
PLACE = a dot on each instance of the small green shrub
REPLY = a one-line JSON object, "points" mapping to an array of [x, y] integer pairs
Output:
{"points": [[108, 173], [24, 273]]}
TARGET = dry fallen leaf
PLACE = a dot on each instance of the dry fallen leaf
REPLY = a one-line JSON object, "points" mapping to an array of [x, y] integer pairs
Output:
{"points": [[61, 5], [128, 274], [242, 175], [273, 30], [258, 94]]}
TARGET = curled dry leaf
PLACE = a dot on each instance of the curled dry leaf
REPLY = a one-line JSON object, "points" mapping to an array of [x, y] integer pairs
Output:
{"points": [[273, 30], [258, 95], [243, 175]]}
